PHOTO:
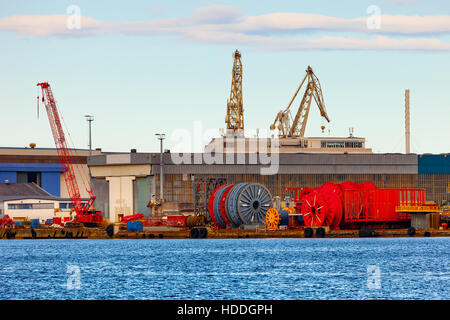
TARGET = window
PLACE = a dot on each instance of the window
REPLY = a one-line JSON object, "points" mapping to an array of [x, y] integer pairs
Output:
{"points": [[28, 177], [19, 206], [340, 144], [68, 205], [28, 206], [353, 144], [43, 206]]}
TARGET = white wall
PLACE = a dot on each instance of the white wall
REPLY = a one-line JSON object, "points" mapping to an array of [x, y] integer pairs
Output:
{"points": [[81, 172], [41, 214], [120, 196]]}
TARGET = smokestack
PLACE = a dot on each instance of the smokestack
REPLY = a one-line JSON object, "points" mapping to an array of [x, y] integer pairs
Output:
{"points": [[407, 131]]}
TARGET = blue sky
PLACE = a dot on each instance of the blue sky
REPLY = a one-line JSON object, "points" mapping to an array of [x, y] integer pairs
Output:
{"points": [[142, 67]]}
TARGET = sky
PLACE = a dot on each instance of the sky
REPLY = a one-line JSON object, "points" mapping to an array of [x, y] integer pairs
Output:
{"points": [[147, 67]]}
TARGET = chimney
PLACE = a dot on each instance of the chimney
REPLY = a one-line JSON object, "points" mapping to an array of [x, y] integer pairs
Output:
{"points": [[407, 129]]}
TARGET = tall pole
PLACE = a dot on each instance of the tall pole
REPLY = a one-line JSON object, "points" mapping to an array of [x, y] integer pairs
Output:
{"points": [[407, 128], [161, 137], [89, 119]]}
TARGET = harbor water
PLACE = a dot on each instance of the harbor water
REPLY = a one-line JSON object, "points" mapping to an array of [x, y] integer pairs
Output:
{"points": [[357, 268]]}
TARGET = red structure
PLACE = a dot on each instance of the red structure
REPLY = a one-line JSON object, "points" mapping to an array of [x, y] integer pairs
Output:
{"points": [[352, 205], [132, 217], [83, 214], [168, 221]]}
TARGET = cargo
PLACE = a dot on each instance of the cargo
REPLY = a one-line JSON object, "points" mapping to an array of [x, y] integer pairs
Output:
{"points": [[134, 226], [34, 223]]}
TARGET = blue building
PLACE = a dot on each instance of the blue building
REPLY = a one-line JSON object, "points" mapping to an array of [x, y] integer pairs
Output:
{"points": [[45, 175], [42, 166]]}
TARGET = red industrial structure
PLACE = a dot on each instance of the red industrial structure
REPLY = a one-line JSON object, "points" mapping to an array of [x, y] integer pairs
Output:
{"points": [[352, 205], [83, 212]]}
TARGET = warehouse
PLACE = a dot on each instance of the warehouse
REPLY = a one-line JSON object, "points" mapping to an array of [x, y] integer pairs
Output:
{"points": [[40, 166], [124, 183]]}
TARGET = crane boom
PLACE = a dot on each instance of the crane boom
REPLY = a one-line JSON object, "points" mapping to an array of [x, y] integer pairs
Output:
{"points": [[235, 109], [297, 128], [65, 158]]}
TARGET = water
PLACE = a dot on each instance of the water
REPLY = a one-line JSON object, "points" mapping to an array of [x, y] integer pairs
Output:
{"points": [[382, 268]]}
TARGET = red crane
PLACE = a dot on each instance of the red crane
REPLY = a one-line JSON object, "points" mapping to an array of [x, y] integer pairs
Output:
{"points": [[83, 214]]}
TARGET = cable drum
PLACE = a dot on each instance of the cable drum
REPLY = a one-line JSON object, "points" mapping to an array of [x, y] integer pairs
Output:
{"points": [[251, 203], [231, 204], [284, 218], [216, 205]]}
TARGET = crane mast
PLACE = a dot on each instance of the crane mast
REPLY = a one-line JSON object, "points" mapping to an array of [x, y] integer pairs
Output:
{"points": [[65, 158], [235, 109], [283, 119]]}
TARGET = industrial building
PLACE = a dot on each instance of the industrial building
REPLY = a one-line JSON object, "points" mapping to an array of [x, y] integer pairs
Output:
{"points": [[27, 200], [41, 166], [33, 183], [125, 183]]}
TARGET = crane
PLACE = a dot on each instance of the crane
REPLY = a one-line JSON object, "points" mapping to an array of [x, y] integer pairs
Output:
{"points": [[83, 213], [235, 109], [283, 119]]}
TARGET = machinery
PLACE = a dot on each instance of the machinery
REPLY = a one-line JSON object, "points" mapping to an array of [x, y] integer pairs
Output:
{"points": [[7, 222], [297, 128], [235, 108], [354, 205], [231, 206], [201, 192], [83, 213], [277, 220]]}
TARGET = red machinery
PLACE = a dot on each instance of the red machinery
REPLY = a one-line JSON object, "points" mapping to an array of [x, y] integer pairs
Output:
{"points": [[168, 221], [352, 204], [7, 222], [132, 217], [83, 213]]}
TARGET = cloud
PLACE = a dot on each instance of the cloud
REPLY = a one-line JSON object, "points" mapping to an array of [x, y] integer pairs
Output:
{"points": [[48, 25], [273, 31]]}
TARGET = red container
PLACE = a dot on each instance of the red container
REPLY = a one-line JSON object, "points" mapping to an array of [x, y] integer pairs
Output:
{"points": [[57, 220], [378, 205]]}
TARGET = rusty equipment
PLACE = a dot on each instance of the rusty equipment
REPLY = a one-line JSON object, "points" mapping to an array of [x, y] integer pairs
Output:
{"points": [[201, 191]]}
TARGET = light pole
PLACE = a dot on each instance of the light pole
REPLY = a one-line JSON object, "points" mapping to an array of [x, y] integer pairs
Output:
{"points": [[89, 119], [161, 137]]}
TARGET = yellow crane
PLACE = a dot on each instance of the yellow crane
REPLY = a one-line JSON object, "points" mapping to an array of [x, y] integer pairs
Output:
{"points": [[235, 108], [297, 128]]}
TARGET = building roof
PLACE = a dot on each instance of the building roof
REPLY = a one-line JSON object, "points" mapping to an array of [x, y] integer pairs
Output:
{"points": [[17, 191], [41, 155], [300, 163]]}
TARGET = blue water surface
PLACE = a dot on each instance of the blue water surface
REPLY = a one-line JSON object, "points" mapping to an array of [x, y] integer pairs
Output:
{"points": [[357, 268]]}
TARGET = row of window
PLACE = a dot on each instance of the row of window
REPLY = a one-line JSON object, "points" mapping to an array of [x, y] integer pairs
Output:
{"points": [[341, 144], [25, 206], [29, 206]]}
